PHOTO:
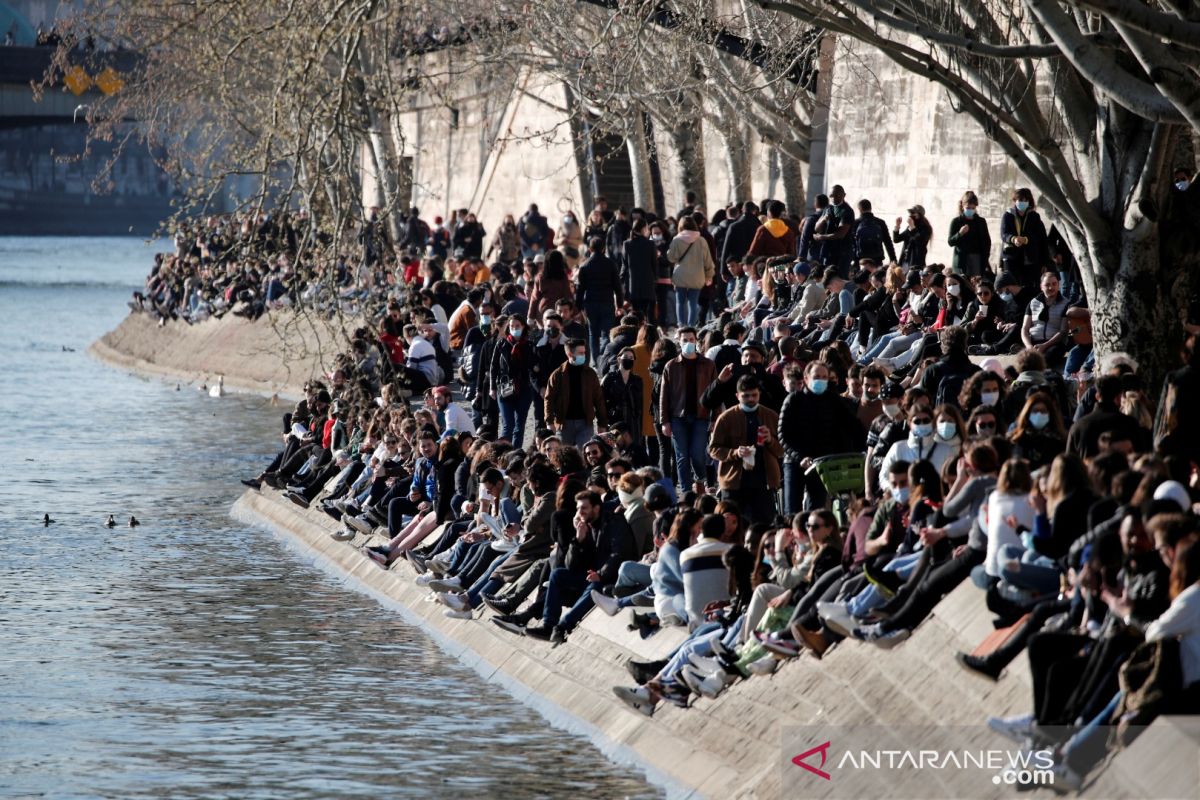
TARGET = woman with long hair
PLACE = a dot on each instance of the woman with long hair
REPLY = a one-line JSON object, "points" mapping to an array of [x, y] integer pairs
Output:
{"points": [[512, 380], [551, 285], [1039, 434]]}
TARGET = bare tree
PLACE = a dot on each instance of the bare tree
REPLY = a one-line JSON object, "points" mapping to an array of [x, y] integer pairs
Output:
{"points": [[1092, 100]]}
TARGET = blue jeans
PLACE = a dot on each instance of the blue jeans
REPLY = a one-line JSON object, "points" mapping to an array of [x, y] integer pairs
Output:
{"points": [[513, 413], [870, 597], [1078, 359], [877, 348], [486, 583], [701, 643], [635, 574], [567, 586], [687, 306], [601, 319], [690, 437], [577, 432], [1034, 572]]}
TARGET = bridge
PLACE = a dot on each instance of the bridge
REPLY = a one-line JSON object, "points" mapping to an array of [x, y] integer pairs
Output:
{"points": [[89, 75]]}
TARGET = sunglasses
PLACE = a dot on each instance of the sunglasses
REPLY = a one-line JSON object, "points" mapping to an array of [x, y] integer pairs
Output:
{"points": [[922, 421]]}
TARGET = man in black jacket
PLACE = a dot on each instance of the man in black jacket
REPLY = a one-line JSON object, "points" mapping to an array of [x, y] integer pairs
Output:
{"points": [[722, 392], [814, 422], [945, 378], [603, 540], [639, 262], [741, 234], [1084, 437], [599, 294]]}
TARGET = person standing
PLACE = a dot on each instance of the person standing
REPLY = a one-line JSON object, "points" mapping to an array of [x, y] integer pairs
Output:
{"points": [[534, 232], [747, 453], [774, 237], [814, 422], [512, 380], [574, 400], [831, 236], [970, 238], [1024, 237], [694, 269], [623, 395], [915, 237], [639, 267], [599, 294], [740, 234], [870, 236], [684, 417]]}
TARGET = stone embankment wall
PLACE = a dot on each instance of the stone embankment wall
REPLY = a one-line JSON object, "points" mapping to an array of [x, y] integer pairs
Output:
{"points": [[733, 746]]}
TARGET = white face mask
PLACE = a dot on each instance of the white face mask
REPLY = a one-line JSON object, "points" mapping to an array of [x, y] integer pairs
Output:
{"points": [[1182, 186], [891, 409], [954, 290], [989, 398]]}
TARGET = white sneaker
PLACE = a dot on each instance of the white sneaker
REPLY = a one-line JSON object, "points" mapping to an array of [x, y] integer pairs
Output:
{"points": [[360, 524], [452, 614], [1017, 729], [705, 685], [705, 664], [889, 640], [637, 698], [837, 617], [458, 602], [343, 535], [763, 666], [446, 584], [608, 605], [423, 579]]}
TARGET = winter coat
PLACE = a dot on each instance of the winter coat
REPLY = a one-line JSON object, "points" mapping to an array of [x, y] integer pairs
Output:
{"points": [[692, 259]]}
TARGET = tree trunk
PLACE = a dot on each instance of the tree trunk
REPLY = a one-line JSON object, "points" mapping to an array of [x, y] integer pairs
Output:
{"points": [[687, 138], [737, 163], [639, 163], [792, 172]]}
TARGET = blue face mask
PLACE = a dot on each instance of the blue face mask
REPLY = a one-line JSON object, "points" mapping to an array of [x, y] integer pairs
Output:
{"points": [[578, 360], [1022, 206], [923, 430], [819, 385], [689, 348], [946, 430], [900, 495], [1039, 419], [968, 212], [485, 319], [749, 409]]}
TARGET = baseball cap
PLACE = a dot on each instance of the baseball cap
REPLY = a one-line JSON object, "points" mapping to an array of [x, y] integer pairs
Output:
{"points": [[917, 209]]}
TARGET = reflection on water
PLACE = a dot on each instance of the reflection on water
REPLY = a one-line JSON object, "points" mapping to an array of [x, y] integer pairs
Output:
{"points": [[193, 657]]}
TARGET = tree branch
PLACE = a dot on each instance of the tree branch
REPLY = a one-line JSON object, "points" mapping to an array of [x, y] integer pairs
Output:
{"points": [[1143, 17]]}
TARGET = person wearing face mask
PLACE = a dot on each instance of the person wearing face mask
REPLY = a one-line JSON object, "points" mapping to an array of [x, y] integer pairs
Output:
{"points": [[512, 380], [747, 453], [574, 400], [1038, 435], [682, 414], [623, 394], [970, 238], [926, 440], [814, 422], [1024, 236], [916, 236]]}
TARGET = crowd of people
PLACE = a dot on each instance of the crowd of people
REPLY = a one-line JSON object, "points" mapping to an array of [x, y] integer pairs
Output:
{"points": [[691, 378]]}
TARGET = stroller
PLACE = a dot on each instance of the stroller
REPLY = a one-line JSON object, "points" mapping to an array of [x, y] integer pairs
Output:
{"points": [[842, 476]]}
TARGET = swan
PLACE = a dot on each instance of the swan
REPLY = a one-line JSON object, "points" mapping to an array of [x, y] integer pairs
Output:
{"points": [[219, 389]]}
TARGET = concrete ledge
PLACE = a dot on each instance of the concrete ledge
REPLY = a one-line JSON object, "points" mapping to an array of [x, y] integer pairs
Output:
{"points": [[273, 355], [727, 747]]}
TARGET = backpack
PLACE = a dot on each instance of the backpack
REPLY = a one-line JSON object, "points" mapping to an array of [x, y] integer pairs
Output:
{"points": [[868, 238]]}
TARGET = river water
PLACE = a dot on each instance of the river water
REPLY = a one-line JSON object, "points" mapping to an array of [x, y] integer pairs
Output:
{"points": [[193, 656]]}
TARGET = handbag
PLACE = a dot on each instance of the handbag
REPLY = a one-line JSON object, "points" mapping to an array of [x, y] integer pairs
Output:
{"points": [[1151, 679]]}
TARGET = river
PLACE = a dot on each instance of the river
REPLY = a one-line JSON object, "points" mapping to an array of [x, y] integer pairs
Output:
{"points": [[193, 656]]}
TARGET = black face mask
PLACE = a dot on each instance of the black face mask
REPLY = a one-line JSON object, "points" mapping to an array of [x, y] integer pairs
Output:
{"points": [[626, 363]]}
